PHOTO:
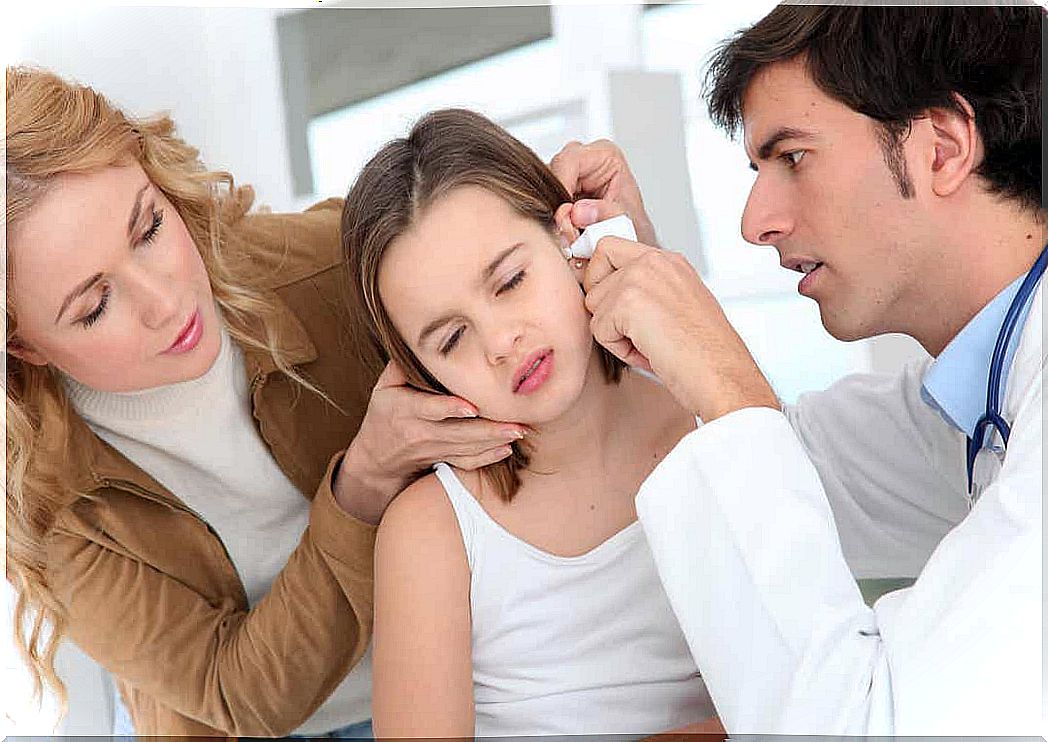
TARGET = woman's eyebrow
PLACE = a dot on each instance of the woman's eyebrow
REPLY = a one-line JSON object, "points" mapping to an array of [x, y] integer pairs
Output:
{"points": [[76, 292], [136, 209]]}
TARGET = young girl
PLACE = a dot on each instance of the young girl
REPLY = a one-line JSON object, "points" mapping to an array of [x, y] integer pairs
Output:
{"points": [[520, 599], [181, 383]]}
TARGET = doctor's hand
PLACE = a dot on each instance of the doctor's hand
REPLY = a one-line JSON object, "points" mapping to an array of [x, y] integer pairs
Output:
{"points": [[651, 309], [404, 432], [598, 175]]}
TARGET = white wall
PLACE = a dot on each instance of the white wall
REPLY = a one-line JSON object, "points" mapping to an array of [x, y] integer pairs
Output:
{"points": [[214, 69]]}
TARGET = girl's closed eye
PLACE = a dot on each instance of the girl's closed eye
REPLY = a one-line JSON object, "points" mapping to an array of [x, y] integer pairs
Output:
{"points": [[512, 283], [452, 341]]}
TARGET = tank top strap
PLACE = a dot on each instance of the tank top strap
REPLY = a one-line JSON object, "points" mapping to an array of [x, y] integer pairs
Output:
{"points": [[470, 515]]}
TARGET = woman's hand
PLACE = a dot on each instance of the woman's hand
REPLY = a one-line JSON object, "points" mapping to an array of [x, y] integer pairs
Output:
{"points": [[598, 175], [404, 432]]}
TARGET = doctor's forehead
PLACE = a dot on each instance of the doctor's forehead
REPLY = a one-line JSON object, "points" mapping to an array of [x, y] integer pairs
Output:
{"points": [[784, 103]]}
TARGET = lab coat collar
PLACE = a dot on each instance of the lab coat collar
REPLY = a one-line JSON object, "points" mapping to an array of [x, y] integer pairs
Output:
{"points": [[955, 383]]}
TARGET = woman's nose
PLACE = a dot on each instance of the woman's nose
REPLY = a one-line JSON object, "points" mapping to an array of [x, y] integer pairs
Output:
{"points": [[766, 218], [159, 299]]}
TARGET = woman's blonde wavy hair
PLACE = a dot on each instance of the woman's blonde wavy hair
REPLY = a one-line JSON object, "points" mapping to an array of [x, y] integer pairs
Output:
{"points": [[56, 127]]}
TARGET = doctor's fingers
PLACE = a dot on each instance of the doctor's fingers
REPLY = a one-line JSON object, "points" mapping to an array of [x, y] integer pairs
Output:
{"points": [[613, 255], [599, 170]]}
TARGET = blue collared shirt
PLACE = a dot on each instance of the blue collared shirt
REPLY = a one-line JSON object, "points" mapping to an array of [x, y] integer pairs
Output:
{"points": [[955, 383]]}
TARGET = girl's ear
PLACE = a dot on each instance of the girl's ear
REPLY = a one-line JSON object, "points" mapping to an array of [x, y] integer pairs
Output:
{"points": [[24, 353]]}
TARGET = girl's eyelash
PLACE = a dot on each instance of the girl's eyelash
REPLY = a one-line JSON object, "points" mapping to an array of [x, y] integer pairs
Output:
{"points": [[511, 283], [98, 311], [457, 335], [452, 341], [158, 219]]}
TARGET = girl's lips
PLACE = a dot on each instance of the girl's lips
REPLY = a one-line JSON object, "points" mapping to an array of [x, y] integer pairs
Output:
{"points": [[189, 337], [537, 377]]}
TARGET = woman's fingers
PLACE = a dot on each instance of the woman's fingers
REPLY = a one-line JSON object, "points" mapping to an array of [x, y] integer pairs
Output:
{"points": [[485, 458]]}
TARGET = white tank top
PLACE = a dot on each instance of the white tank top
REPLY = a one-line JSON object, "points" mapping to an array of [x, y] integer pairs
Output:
{"points": [[571, 645]]}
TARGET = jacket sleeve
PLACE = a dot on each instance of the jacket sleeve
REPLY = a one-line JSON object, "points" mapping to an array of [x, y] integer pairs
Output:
{"points": [[746, 545], [260, 672]]}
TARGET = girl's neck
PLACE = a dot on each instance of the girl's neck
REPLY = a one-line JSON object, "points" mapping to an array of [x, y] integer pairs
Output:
{"points": [[584, 438]]}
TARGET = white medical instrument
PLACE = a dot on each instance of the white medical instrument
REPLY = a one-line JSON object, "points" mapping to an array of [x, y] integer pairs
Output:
{"points": [[617, 226], [980, 447]]}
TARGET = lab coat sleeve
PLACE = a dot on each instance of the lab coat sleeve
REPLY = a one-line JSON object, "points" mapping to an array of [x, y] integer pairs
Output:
{"points": [[745, 543]]}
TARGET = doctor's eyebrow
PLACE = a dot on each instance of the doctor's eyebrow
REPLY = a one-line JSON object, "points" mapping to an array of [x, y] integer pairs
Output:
{"points": [[767, 147], [485, 276]]}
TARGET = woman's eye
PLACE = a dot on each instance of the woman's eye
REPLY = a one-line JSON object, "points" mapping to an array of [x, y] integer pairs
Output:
{"points": [[793, 159], [154, 227], [98, 311], [511, 283], [452, 341]]}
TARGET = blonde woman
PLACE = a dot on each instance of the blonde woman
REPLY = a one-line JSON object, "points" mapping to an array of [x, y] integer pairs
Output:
{"points": [[182, 382]]}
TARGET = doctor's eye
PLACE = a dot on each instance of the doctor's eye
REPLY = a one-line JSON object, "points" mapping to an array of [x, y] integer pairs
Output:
{"points": [[792, 158]]}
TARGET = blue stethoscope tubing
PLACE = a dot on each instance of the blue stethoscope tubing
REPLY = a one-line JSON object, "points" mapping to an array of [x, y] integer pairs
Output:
{"points": [[992, 416]]}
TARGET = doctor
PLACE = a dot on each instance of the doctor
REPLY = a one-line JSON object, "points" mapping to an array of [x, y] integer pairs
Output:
{"points": [[898, 167]]}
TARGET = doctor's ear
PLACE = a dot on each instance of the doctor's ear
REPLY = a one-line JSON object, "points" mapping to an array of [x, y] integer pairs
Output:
{"points": [[958, 146], [25, 353]]}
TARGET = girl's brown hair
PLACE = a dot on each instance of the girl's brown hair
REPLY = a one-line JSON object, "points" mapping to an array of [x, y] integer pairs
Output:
{"points": [[55, 127], [445, 150]]}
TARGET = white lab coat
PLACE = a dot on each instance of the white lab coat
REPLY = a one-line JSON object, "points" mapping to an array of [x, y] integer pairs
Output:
{"points": [[756, 546]]}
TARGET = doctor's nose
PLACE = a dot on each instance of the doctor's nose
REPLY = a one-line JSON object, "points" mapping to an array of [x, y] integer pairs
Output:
{"points": [[766, 218]]}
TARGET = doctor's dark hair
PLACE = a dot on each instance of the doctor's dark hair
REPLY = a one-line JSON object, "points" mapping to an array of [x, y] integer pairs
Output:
{"points": [[894, 63], [445, 150]]}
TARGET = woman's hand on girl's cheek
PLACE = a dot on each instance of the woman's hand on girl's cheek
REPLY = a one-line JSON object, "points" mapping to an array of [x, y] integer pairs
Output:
{"points": [[404, 432]]}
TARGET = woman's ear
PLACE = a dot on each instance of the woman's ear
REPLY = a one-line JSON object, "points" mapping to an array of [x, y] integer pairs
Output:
{"points": [[958, 146], [25, 353]]}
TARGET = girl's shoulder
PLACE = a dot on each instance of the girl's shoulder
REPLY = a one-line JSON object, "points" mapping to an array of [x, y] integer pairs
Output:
{"points": [[419, 532]]}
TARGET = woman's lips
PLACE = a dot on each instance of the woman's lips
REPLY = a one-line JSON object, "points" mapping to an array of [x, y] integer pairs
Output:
{"points": [[189, 337], [534, 376]]}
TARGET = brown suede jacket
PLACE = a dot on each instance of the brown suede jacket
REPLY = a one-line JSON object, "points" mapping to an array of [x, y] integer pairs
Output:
{"points": [[151, 592]]}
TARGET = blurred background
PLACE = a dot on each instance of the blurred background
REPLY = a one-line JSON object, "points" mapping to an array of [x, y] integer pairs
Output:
{"points": [[295, 100]]}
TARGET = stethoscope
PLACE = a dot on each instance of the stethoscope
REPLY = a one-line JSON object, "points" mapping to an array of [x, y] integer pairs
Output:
{"points": [[991, 418]]}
